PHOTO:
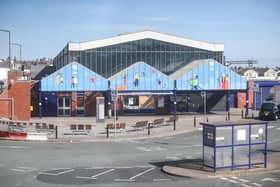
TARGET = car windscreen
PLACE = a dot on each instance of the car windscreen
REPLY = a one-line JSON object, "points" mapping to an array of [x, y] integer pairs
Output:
{"points": [[267, 106]]}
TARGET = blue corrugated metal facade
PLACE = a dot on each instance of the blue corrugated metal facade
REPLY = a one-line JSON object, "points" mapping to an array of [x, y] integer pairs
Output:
{"points": [[74, 77], [63, 85], [211, 75]]}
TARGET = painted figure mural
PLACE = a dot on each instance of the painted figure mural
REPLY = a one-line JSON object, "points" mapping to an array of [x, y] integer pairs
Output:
{"points": [[223, 81], [136, 80], [58, 78], [195, 82], [74, 79]]}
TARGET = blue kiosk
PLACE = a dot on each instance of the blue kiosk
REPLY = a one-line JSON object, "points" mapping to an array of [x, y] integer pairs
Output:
{"points": [[235, 144]]}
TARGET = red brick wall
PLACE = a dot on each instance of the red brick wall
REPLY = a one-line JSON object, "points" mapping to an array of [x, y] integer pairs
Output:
{"points": [[5, 110], [20, 91]]}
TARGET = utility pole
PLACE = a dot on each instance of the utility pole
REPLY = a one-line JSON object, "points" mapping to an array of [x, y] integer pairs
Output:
{"points": [[10, 57]]}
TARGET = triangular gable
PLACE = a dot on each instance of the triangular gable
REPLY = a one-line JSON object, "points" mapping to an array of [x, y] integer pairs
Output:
{"points": [[74, 77], [140, 77], [210, 75]]}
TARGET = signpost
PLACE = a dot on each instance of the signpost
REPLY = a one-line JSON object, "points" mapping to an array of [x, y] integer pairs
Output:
{"points": [[114, 96], [203, 95], [256, 89]]}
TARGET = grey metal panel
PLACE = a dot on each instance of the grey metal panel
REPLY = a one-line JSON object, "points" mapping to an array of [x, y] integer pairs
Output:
{"points": [[223, 157], [257, 155], [223, 136], [209, 156], [241, 155]]}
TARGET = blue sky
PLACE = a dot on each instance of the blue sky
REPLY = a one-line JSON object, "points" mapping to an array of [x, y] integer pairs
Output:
{"points": [[248, 28]]}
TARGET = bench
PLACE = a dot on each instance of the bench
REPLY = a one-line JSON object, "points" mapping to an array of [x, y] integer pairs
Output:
{"points": [[80, 129], [171, 120], [157, 122], [141, 125], [118, 125]]}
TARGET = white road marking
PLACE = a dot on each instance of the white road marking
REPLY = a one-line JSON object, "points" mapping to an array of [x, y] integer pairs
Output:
{"points": [[67, 171], [102, 173], [13, 147], [79, 177], [174, 158], [278, 128], [245, 185], [158, 148], [270, 179], [56, 174], [123, 180], [242, 180], [118, 167], [233, 181], [157, 180], [270, 127], [229, 180], [23, 169], [144, 149], [200, 128], [142, 173], [188, 156], [257, 184]]}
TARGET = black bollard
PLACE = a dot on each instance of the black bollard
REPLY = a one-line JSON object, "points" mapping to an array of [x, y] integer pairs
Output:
{"points": [[174, 125], [242, 114], [207, 119], [194, 121], [252, 115], [107, 132], [56, 132], [149, 128]]}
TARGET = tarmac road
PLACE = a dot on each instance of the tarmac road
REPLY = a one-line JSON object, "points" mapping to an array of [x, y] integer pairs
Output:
{"points": [[116, 163]]}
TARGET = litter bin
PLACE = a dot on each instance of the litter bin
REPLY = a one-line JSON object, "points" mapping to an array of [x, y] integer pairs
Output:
{"points": [[235, 144]]}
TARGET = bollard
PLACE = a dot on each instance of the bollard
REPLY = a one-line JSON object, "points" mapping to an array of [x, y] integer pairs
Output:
{"points": [[228, 115], [56, 132], [149, 128], [242, 114], [194, 121], [207, 119], [252, 115], [107, 132], [174, 125]]}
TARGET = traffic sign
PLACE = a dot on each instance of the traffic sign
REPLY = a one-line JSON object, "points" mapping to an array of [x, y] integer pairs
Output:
{"points": [[203, 93], [114, 95], [256, 87]]}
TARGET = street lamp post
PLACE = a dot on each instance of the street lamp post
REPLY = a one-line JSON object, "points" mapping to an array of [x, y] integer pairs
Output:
{"points": [[10, 58], [20, 47]]}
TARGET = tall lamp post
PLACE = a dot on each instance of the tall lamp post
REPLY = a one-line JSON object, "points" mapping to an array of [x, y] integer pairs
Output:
{"points": [[20, 47], [10, 58]]}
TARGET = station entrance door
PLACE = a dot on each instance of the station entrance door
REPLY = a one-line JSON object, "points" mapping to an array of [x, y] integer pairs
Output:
{"points": [[64, 106]]}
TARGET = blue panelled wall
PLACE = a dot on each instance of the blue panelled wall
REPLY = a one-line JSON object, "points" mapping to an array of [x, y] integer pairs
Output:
{"points": [[141, 88]]}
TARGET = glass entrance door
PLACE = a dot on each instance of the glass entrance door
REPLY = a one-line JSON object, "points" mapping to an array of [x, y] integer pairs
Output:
{"points": [[64, 106]]}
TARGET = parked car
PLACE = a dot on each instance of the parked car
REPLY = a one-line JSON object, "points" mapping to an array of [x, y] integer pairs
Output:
{"points": [[269, 111]]}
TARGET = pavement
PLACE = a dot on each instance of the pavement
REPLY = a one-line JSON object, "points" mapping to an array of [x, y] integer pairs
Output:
{"points": [[185, 124], [195, 169]]}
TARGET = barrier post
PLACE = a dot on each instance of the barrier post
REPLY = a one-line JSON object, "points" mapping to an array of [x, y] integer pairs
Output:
{"points": [[242, 114], [107, 132], [194, 121], [56, 132], [149, 128], [229, 115]]}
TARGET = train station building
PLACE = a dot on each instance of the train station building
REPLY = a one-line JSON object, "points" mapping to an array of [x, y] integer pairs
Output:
{"points": [[151, 71]]}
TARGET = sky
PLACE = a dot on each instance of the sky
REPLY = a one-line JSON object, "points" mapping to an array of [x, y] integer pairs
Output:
{"points": [[249, 29]]}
